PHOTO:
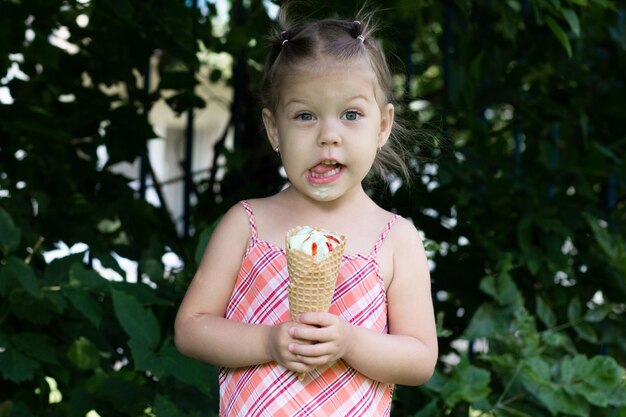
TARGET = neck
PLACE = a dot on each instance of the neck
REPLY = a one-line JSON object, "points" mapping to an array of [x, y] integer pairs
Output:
{"points": [[347, 202]]}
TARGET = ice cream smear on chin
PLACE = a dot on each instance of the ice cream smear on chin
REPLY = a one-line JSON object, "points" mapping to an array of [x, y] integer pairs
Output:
{"points": [[321, 192], [314, 241]]}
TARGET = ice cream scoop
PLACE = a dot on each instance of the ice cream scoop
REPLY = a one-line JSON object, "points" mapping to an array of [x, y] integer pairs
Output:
{"points": [[314, 241]]}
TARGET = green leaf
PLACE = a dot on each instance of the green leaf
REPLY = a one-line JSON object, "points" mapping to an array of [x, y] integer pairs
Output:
{"points": [[598, 313], [468, 383], [488, 321], [81, 277], [187, 370], [501, 288], [153, 268], [572, 20], [585, 331], [84, 354], [503, 361], [10, 234], [164, 407], [558, 339], [35, 345], [126, 391], [87, 305], [21, 272], [15, 366], [603, 373], [535, 376], [145, 357], [595, 379], [138, 322], [544, 312], [560, 35], [574, 311]]}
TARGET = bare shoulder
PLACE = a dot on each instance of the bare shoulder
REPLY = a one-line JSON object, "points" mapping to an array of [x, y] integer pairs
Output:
{"points": [[409, 255], [215, 277], [235, 219], [405, 234], [232, 232]]}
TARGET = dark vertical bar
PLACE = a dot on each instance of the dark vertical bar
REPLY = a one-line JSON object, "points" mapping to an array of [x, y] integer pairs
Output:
{"points": [[447, 62], [144, 162], [189, 138], [517, 129], [555, 128], [517, 152], [189, 135], [611, 193]]}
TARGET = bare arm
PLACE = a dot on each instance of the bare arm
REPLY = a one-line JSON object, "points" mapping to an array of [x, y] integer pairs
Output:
{"points": [[408, 354], [202, 332]]}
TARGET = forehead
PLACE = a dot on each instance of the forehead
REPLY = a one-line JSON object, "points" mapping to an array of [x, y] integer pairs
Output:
{"points": [[329, 80]]}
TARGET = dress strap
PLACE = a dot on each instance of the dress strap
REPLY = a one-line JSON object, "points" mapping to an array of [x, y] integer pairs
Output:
{"points": [[248, 209], [384, 234]]}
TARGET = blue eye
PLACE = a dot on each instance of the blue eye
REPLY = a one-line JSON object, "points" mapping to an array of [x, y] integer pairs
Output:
{"points": [[304, 117], [352, 115]]}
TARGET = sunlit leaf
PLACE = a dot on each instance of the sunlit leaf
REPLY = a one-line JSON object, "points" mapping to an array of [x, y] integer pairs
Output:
{"points": [[84, 354], [572, 19], [560, 34]]}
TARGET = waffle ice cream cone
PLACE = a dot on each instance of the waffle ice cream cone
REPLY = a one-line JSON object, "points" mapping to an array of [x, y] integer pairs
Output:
{"points": [[313, 261], [312, 276]]}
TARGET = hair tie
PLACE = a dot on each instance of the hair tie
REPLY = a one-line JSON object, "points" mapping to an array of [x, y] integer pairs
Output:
{"points": [[284, 40], [356, 26]]}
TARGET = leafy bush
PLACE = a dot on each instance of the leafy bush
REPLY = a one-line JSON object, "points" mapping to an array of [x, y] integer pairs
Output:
{"points": [[519, 191]]}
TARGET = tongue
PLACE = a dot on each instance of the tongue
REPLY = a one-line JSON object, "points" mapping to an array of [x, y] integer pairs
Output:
{"points": [[323, 168]]}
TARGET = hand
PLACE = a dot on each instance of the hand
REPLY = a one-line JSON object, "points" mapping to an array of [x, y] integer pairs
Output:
{"points": [[328, 336], [280, 341]]}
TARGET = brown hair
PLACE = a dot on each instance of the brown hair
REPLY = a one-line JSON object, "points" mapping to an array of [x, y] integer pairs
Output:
{"points": [[293, 45]]}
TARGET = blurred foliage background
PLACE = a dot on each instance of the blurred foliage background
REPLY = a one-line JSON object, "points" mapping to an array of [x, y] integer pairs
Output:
{"points": [[519, 189]]}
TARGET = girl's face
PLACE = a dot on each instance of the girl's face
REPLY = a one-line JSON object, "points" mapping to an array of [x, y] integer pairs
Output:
{"points": [[328, 126]]}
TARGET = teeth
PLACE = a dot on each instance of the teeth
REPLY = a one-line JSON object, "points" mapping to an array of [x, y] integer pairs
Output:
{"points": [[327, 162], [327, 174]]}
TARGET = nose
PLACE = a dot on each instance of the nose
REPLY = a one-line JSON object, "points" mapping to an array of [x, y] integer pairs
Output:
{"points": [[329, 133]]}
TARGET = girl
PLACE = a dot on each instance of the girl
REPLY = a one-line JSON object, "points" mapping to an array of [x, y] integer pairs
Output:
{"points": [[326, 92]]}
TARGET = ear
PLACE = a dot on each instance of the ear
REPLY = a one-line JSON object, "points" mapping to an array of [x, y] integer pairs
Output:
{"points": [[269, 121], [387, 114]]}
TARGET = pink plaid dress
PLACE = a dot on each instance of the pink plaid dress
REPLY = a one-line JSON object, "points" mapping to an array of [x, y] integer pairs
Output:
{"points": [[260, 296]]}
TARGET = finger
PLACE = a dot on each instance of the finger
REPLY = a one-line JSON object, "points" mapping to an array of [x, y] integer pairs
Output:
{"points": [[316, 335], [312, 351], [314, 362], [319, 319]]}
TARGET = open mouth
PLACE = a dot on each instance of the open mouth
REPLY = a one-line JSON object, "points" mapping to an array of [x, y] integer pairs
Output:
{"points": [[325, 171]]}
